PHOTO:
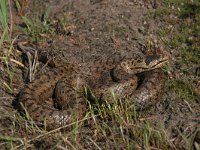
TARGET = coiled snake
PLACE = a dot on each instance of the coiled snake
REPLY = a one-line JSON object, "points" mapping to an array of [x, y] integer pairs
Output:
{"points": [[67, 84]]}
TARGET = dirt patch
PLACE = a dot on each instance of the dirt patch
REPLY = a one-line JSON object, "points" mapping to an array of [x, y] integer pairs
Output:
{"points": [[81, 31]]}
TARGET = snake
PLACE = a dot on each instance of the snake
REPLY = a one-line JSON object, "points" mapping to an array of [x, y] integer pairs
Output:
{"points": [[66, 86]]}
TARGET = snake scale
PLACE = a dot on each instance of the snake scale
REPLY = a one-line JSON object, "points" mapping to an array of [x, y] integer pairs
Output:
{"points": [[68, 83]]}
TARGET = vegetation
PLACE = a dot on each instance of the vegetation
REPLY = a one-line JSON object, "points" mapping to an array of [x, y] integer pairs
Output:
{"points": [[3, 21], [182, 34]]}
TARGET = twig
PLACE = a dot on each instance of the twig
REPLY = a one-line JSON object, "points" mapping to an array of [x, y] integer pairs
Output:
{"points": [[189, 106], [95, 144], [32, 66]]}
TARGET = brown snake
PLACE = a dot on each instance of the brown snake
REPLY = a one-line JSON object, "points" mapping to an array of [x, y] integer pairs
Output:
{"points": [[67, 84]]}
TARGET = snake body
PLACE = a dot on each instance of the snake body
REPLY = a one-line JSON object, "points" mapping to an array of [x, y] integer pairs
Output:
{"points": [[66, 84]]}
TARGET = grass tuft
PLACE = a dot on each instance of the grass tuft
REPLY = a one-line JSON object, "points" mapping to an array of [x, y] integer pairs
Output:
{"points": [[183, 89], [4, 30]]}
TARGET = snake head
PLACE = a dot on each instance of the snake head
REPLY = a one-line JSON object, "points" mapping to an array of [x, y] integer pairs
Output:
{"points": [[155, 61], [143, 63]]}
